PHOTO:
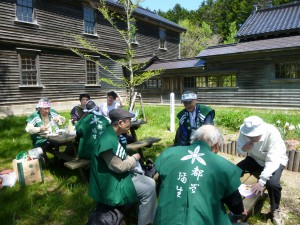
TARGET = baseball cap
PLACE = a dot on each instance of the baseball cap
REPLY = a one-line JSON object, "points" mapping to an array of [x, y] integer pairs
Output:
{"points": [[188, 96], [253, 126], [119, 114]]}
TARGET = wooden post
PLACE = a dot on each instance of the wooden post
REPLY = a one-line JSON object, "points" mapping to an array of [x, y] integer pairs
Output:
{"points": [[142, 106], [137, 95], [296, 161], [133, 102], [291, 160], [225, 148]]}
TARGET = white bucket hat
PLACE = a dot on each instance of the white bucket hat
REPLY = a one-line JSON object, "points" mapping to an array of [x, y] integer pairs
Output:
{"points": [[253, 126]]}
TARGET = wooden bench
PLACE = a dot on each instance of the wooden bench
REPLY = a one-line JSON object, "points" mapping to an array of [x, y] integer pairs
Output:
{"points": [[81, 163], [254, 203]]}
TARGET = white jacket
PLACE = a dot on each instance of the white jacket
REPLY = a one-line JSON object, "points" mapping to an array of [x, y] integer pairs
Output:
{"points": [[269, 151]]}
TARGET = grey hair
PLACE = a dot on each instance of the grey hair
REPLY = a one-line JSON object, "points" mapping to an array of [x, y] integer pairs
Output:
{"points": [[208, 133]]}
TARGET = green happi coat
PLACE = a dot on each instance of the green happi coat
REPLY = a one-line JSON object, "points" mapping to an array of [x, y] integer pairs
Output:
{"points": [[106, 186], [194, 181], [36, 120], [89, 129]]}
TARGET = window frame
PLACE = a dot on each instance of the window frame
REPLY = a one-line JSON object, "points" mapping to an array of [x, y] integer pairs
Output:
{"points": [[31, 53], [134, 39], [284, 75], [217, 76], [96, 72], [33, 16], [149, 84], [94, 22], [162, 39]]}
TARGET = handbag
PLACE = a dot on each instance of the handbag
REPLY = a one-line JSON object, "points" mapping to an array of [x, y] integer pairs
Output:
{"points": [[149, 168]]}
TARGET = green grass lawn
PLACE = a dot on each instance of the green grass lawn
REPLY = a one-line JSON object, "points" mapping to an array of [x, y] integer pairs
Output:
{"points": [[62, 198]]}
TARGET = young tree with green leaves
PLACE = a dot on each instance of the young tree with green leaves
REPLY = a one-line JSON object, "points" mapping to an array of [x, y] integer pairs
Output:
{"points": [[136, 76], [196, 38]]}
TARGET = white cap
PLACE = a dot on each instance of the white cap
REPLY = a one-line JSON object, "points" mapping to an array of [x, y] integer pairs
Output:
{"points": [[253, 126]]}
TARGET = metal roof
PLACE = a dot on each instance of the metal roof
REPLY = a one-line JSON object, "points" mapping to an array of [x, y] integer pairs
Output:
{"points": [[283, 19], [176, 64], [253, 46], [151, 15]]}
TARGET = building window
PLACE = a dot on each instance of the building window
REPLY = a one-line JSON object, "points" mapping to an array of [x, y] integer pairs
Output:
{"points": [[92, 73], [29, 73], [151, 83], [192, 82], [25, 11], [162, 38], [134, 33], [89, 20], [288, 70], [228, 80]]}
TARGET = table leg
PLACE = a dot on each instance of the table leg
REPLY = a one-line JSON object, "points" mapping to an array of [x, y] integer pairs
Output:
{"points": [[133, 134]]}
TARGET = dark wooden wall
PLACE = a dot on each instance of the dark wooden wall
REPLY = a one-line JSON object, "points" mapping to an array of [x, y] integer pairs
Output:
{"points": [[256, 83], [62, 72]]}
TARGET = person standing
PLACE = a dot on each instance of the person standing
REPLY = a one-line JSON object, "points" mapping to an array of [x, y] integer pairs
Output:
{"points": [[266, 158], [194, 182], [110, 163], [110, 104], [77, 112], [40, 123], [192, 117]]}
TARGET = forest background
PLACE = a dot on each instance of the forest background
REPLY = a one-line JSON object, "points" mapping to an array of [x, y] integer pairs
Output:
{"points": [[214, 22]]}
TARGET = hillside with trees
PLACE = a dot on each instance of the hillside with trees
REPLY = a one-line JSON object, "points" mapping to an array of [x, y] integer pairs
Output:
{"points": [[214, 22]]}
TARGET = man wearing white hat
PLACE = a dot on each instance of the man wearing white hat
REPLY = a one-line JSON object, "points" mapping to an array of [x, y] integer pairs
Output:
{"points": [[192, 117], [266, 157]]}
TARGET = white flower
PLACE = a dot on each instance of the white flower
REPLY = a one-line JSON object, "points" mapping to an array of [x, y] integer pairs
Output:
{"points": [[291, 127], [286, 124], [298, 126], [196, 155], [278, 121]]}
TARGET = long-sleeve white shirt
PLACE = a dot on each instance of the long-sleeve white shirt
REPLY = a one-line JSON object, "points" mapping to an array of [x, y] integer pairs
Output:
{"points": [[269, 151]]}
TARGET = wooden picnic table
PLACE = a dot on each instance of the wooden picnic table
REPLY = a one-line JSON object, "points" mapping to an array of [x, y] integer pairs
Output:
{"points": [[253, 203], [134, 126], [137, 145], [65, 139]]}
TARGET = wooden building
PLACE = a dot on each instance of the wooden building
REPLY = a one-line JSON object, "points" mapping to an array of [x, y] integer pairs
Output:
{"points": [[261, 70], [35, 56]]}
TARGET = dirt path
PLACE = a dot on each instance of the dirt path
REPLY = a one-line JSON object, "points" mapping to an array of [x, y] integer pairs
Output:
{"points": [[290, 200]]}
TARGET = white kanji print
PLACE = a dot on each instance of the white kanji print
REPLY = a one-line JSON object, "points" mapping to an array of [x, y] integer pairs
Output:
{"points": [[182, 177], [197, 172], [179, 190], [193, 187], [195, 156]]}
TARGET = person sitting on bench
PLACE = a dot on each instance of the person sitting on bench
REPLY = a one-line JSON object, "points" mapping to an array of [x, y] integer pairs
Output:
{"points": [[77, 112], [112, 181], [266, 158], [40, 123], [194, 182]]}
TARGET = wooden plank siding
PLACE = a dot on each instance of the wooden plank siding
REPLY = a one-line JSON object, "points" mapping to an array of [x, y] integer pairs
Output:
{"points": [[62, 73], [257, 85]]}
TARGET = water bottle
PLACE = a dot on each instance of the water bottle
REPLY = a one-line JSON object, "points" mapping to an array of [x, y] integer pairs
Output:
{"points": [[35, 153]]}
